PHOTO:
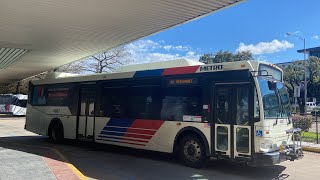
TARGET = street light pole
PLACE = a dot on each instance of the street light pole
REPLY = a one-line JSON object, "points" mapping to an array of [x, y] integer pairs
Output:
{"points": [[305, 69], [305, 76]]}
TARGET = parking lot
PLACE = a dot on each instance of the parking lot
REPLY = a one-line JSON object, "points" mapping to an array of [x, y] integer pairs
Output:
{"points": [[24, 155]]}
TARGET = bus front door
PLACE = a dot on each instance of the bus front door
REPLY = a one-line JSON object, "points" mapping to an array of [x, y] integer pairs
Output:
{"points": [[232, 127], [86, 113]]}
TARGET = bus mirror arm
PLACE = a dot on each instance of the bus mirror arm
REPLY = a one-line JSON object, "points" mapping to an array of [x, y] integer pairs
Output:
{"points": [[260, 72]]}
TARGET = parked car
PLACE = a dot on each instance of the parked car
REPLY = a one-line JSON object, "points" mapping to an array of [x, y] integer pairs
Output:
{"points": [[311, 106], [314, 109]]}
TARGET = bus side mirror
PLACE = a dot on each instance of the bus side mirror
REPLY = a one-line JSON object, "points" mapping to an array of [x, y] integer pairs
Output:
{"points": [[272, 85]]}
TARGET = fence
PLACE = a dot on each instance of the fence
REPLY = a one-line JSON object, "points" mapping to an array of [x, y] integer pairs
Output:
{"points": [[310, 126]]}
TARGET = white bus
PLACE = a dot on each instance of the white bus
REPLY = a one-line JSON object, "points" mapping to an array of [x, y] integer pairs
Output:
{"points": [[238, 111], [13, 104]]}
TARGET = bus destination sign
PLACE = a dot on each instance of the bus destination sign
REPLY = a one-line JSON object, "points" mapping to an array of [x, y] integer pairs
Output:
{"points": [[185, 81]]}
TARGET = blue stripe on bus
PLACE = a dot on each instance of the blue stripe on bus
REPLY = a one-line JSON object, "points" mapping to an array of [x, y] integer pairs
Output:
{"points": [[118, 129], [113, 133], [122, 138], [120, 122], [117, 141], [148, 73], [108, 140], [110, 137]]}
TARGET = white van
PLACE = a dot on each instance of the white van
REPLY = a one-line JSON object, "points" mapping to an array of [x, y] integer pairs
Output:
{"points": [[311, 106]]}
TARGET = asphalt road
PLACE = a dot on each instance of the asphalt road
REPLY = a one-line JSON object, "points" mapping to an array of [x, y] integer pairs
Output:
{"points": [[20, 152]]}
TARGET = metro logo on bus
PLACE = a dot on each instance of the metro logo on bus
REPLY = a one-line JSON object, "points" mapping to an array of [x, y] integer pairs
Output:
{"points": [[211, 68]]}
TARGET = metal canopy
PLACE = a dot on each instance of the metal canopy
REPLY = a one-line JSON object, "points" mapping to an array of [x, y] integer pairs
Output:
{"points": [[50, 33]]}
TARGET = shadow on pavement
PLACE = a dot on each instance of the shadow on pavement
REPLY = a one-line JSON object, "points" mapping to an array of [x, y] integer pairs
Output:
{"points": [[100, 161]]}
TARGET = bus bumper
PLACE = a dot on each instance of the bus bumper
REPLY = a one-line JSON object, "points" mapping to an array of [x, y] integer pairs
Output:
{"points": [[266, 159], [272, 158]]}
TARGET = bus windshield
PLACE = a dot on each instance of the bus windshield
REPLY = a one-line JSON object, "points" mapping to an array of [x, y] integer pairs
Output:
{"points": [[275, 102]]}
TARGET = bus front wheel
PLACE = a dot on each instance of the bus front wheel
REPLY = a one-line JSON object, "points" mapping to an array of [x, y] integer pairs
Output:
{"points": [[192, 151], [56, 133]]}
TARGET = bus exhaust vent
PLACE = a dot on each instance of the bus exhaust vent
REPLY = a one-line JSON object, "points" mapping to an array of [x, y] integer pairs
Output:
{"points": [[10, 55]]}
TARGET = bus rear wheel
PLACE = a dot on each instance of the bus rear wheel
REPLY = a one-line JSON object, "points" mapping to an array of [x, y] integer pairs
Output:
{"points": [[192, 151], [56, 133]]}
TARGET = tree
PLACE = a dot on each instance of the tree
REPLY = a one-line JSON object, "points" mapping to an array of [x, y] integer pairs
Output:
{"points": [[226, 56], [74, 67], [107, 61], [103, 62], [314, 83], [207, 58], [294, 76], [22, 85], [243, 56]]}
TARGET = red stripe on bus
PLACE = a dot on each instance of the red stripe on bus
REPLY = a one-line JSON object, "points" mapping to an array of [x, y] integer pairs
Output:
{"points": [[147, 124], [141, 131], [180, 70], [135, 140], [140, 136]]}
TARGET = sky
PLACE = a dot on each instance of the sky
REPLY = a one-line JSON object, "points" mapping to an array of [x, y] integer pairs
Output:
{"points": [[256, 25]]}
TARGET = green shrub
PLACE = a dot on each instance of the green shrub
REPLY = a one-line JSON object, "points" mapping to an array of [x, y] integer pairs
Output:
{"points": [[303, 122], [309, 136]]}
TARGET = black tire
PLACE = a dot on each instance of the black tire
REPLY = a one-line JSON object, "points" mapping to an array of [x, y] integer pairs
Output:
{"points": [[56, 133], [192, 152]]}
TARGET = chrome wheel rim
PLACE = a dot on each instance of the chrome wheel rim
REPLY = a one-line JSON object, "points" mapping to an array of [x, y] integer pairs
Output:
{"points": [[192, 150]]}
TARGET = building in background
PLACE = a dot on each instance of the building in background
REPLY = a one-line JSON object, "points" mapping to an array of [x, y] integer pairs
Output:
{"points": [[315, 51]]}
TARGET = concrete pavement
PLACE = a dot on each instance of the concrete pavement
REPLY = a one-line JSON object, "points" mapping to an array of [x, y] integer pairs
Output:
{"points": [[110, 162]]}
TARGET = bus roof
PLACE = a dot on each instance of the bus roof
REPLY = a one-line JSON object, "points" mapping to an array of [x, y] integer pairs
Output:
{"points": [[159, 65], [149, 70]]}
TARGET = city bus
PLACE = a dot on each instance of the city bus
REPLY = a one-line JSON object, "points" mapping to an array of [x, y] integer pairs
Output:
{"points": [[238, 111], [13, 104]]}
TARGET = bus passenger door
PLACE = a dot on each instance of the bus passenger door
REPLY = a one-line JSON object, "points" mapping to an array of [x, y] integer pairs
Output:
{"points": [[232, 127], [86, 113]]}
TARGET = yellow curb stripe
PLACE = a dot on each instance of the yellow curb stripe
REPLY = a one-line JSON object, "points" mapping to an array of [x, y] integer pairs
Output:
{"points": [[72, 167], [311, 149]]}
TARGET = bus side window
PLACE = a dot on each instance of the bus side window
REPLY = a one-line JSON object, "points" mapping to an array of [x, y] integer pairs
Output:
{"points": [[181, 101], [114, 102], [144, 102]]}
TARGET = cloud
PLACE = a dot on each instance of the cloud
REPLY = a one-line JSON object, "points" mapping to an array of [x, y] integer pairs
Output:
{"points": [[177, 48], [144, 51], [315, 37], [144, 45], [167, 47], [265, 47]]}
